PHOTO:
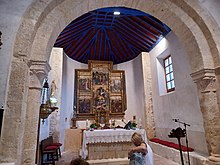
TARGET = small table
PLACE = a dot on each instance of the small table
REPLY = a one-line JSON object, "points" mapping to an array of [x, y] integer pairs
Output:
{"points": [[108, 138]]}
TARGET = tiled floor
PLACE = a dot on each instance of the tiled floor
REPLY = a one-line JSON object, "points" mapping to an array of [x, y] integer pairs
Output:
{"points": [[158, 160], [67, 157]]}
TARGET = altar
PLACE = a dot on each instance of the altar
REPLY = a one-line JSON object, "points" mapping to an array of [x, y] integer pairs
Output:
{"points": [[108, 143]]}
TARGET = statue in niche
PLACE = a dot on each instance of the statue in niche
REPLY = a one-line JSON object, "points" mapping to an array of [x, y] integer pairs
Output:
{"points": [[53, 88], [53, 99]]}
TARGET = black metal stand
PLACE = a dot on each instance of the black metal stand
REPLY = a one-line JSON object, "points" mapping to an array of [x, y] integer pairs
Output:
{"points": [[187, 145], [1, 117], [181, 152], [178, 133]]}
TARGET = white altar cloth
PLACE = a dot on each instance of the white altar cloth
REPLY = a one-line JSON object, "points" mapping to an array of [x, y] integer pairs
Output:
{"points": [[109, 136]]}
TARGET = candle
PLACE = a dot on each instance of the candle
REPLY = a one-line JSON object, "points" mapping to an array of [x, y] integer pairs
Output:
{"points": [[87, 124], [139, 123]]}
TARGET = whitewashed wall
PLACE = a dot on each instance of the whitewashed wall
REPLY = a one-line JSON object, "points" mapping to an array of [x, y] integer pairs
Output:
{"points": [[66, 112], [52, 123], [134, 88], [183, 103]]}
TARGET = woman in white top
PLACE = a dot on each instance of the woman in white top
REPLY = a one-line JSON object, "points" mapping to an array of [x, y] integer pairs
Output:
{"points": [[141, 153]]}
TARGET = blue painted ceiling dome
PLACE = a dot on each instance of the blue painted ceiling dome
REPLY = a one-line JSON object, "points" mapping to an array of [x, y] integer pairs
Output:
{"points": [[104, 35]]}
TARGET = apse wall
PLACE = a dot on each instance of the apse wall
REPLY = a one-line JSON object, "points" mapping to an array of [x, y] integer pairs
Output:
{"points": [[183, 103], [67, 95], [134, 89]]}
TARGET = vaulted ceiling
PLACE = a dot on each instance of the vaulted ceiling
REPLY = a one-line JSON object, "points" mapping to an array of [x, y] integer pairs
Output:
{"points": [[103, 35]]}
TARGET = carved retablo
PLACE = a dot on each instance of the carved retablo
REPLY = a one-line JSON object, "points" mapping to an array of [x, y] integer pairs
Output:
{"points": [[99, 92]]}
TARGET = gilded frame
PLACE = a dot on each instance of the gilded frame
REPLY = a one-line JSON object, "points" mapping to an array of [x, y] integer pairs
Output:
{"points": [[99, 89]]}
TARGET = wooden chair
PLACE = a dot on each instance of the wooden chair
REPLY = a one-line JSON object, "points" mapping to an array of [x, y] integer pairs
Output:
{"points": [[49, 153], [57, 144]]}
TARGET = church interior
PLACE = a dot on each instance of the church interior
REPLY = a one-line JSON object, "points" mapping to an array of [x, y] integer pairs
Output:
{"points": [[78, 78]]}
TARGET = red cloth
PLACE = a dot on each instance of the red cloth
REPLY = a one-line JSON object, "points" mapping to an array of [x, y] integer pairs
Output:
{"points": [[171, 144], [48, 148], [56, 144]]}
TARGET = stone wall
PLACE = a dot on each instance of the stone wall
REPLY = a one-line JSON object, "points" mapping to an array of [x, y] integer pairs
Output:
{"points": [[108, 150]]}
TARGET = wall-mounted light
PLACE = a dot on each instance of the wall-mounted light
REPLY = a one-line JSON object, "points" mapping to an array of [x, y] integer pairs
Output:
{"points": [[1, 39], [46, 108], [116, 13]]}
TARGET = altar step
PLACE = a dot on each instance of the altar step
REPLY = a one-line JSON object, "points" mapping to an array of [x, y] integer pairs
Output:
{"points": [[174, 154], [158, 160], [116, 161], [68, 156]]}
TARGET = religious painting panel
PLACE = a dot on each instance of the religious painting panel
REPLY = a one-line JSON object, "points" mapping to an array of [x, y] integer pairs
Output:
{"points": [[101, 97], [116, 82], [100, 72], [84, 105], [99, 92], [116, 104], [118, 87], [84, 81]]}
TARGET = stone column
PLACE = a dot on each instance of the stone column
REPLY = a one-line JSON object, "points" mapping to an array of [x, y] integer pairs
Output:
{"points": [[208, 91], [149, 115], [38, 71], [14, 114]]}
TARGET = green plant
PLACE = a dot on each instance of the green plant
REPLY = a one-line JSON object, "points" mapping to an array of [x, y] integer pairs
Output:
{"points": [[133, 125], [93, 126]]}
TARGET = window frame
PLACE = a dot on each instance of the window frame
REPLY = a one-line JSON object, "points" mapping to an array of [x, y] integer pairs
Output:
{"points": [[169, 73]]}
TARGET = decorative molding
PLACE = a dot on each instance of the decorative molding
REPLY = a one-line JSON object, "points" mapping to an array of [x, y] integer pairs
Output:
{"points": [[38, 71], [205, 80], [217, 71], [203, 74]]}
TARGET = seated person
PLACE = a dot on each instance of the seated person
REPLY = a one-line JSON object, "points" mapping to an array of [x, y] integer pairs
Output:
{"points": [[138, 155], [79, 161]]}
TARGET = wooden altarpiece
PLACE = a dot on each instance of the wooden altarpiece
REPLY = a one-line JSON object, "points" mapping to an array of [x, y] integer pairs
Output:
{"points": [[99, 92]]}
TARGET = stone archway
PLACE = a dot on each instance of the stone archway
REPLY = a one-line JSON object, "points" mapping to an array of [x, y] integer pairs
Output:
{"points": [[33, 46]]}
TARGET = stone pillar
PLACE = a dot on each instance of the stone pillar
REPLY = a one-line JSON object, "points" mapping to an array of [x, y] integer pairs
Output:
{"points": [[148, 104], [14, 114], [208, 91], [38, 71]]}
